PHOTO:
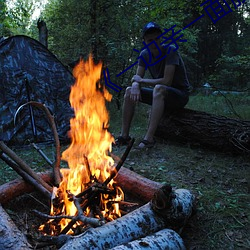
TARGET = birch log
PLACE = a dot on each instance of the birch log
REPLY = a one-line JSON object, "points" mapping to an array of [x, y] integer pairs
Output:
{"points": [[139, 223], [150, 218], [162, 240], [10, 237]]}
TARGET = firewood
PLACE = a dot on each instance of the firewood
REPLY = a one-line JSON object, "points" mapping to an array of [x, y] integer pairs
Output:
{"points": [[10, 237], [136, 185], [132, 183], [18, 187], [26, 176], [120, 163], [138, 223], [150, 218], [11, 154], [161, 240]]}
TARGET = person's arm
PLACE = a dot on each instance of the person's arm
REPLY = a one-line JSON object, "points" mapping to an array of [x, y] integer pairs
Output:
{"points": [[167, 79], [135, 93]]}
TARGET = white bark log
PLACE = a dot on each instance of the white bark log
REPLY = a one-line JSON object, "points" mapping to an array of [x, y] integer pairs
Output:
{"points": [[150, 218], [162, 240], [180, 210], [10, 237], [139, 223]]}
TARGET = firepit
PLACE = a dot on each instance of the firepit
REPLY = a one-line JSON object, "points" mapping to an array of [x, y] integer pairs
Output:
{"points": [[85, 198]]}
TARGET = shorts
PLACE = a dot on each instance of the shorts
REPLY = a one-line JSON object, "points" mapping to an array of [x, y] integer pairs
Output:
{"points": [[174, 100]]}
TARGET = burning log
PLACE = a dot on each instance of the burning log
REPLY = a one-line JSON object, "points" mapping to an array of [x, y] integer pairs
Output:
{"points": [[163, 239], [165, 210], [216, 132], [10, 237]]}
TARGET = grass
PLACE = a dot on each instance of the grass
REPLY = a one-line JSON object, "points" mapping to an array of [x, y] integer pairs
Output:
{"points": [[219, 180]]}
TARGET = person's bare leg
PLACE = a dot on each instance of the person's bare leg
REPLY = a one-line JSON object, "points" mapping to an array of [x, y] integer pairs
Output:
{"points": [[127, 113], [156, 112]]}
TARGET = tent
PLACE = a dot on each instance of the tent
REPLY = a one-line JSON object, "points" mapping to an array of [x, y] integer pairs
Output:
{"points": [[30, 72]]}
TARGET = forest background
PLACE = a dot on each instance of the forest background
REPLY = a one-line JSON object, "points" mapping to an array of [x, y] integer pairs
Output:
{"points": [[216, 51]]}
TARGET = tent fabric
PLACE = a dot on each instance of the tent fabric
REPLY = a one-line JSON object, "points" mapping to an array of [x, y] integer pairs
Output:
{"points": [[30, 72]]}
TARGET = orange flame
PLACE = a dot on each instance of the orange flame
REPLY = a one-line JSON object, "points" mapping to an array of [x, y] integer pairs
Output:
{"points": [[90, 137]]}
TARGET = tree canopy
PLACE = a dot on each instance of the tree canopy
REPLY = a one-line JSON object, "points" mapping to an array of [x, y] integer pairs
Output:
{"points": [[217, 48]]}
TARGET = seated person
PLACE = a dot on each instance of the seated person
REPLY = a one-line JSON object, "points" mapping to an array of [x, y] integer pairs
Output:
{"points": [[168, 90]]}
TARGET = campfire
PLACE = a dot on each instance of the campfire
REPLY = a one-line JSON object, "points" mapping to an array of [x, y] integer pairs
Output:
{"points": [[87, 198], [87, 188]]}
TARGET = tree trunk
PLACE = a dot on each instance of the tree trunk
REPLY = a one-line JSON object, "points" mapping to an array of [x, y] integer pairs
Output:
{"points": [[43, 32], [10, 237], [212, 131]]}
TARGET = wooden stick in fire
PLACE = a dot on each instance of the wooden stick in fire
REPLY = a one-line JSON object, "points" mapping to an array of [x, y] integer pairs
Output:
{"points": [[79, 217], [25, 176], [23, 165], [57, 174], [120, 163]]}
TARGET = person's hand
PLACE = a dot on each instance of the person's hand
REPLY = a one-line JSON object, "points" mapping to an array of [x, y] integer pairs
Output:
{"points": [[136, 78], [135, 93]]}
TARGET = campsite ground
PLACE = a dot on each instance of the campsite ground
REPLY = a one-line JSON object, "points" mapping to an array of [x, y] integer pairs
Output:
{"points": [[219, 180]]}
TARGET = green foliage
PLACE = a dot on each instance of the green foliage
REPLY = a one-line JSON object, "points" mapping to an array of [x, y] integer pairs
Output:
{"points": [[111, 29], [233, 71]]}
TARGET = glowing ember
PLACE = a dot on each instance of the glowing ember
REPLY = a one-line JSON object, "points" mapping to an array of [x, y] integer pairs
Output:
{"points": [[88, 155]]}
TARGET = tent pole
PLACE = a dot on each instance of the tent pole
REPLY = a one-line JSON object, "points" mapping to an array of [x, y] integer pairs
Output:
{"points": [[33, 125]]}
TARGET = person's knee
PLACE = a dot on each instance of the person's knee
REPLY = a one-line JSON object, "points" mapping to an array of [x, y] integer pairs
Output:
{"points": [[159, 91], [127, 92]]}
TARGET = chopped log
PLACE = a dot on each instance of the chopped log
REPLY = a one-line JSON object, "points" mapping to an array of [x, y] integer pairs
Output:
{"points": [[148, 219], [10, 237], [163, 239], [212, 131]]}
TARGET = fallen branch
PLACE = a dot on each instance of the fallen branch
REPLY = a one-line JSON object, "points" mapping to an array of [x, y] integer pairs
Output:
{"points": [[212, 131]]}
